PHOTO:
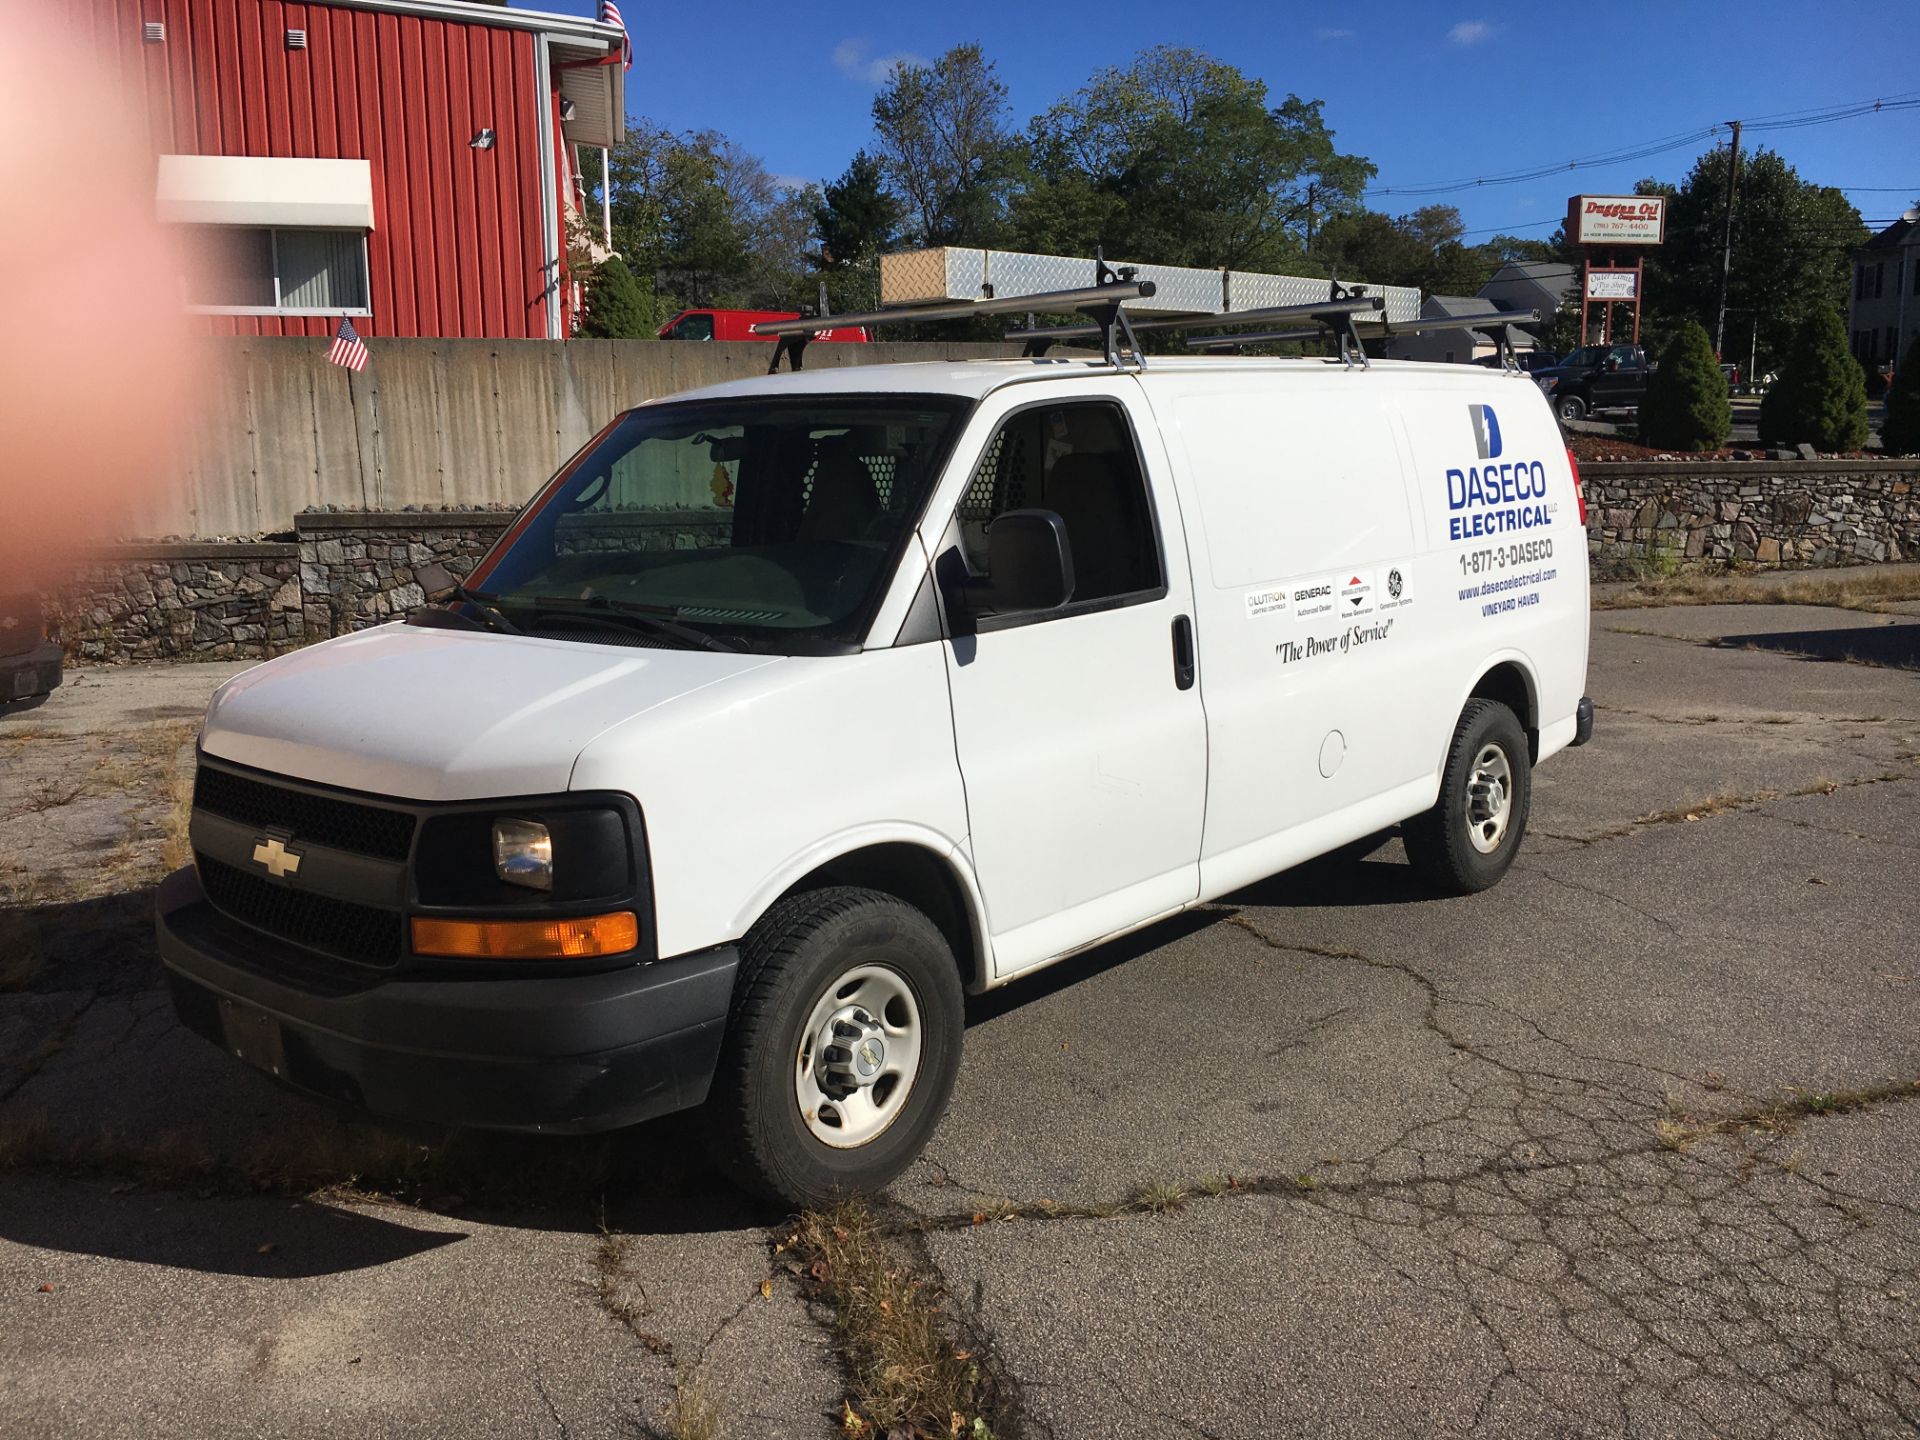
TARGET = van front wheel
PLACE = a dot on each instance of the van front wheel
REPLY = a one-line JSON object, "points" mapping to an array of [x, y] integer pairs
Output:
{"points": [[841, 1047], [1466, 842]]}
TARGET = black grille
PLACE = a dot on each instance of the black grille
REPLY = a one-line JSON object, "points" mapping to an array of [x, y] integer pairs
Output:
{"points": [[317, 819], [335, 927]]}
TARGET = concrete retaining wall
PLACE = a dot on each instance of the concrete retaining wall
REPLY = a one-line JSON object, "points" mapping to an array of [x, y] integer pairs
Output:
{"points": [[428, 423]]}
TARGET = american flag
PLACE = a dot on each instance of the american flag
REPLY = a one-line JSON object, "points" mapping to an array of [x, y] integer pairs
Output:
{"points": [[610, 15], [348, 348]]}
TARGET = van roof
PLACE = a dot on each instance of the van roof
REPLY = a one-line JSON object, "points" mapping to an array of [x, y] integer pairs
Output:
{"points": [[974, 379]]}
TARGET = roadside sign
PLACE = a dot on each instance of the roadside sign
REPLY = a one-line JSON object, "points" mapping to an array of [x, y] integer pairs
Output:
{"points": [[1617, 219]]}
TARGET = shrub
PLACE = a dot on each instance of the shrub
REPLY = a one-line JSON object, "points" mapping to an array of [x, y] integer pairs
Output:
{"points": [[1820, 398], [1686, 404], [1900, 435], [618, 306]]}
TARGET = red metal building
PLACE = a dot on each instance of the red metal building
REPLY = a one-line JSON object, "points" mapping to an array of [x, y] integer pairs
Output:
{"points": [[408, 163]]}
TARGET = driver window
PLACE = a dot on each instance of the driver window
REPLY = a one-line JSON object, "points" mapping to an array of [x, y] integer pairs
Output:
{"points": [[1080, 461]]}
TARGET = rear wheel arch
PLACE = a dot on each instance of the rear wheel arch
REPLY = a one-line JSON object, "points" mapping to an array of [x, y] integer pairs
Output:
{"points": [[1512, 685]]}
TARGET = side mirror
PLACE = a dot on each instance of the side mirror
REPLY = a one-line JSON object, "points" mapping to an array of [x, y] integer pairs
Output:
{"points": [[1029, 565]]}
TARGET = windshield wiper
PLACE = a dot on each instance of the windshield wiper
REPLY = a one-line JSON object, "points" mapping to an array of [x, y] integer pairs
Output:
{"points": [[441, 613], [481, 603], [645, 616]]}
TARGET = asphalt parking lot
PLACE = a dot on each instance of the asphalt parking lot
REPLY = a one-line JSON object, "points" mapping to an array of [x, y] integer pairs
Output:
{"points": [[1622, 1147]]}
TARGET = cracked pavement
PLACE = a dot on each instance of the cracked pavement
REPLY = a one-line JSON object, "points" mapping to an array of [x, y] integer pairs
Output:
{"points": [[1621, 1147]]}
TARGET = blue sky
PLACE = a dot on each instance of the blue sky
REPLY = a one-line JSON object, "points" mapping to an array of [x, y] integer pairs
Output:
{"points": [[1428, 92]]}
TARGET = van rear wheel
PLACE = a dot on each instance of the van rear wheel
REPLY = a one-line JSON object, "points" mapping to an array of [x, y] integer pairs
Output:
{"points": [[841, 1047], [1467, 841]]}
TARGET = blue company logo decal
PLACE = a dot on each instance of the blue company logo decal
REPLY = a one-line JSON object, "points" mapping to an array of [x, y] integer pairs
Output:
{"points": [[1486, 431], [1495, 496]]}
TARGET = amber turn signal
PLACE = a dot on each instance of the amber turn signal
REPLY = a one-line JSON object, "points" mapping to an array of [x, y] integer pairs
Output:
{"points": [[528, 939]]}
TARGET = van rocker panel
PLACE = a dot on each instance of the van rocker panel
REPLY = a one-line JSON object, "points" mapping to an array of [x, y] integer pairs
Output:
{"points": [[567, 1053]]}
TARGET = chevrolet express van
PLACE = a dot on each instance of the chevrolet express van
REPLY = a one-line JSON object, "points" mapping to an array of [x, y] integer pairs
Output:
{"points": [[793, 710]]}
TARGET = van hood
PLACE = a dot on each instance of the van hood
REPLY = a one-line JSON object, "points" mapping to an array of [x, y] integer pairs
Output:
{"points": [[426, 714]]}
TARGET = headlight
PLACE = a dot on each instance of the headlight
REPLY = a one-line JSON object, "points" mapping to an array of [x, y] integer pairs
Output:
{"points": [[523, 853]]}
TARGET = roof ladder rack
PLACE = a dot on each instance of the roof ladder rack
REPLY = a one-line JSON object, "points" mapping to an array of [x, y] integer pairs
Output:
{"points": [[1353, 331], [1322, 315], [1103, 303]]}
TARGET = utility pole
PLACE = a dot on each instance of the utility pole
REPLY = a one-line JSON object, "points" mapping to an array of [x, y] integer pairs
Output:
{"points": [[1311, 187], [1726, 243]]}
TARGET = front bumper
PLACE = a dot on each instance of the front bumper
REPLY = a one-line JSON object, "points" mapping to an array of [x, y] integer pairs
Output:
{"points": [[567, 1054], [37, 672]]}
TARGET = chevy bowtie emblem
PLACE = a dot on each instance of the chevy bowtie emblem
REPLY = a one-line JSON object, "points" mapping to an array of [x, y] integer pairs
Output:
{"points": [[273, 853]]}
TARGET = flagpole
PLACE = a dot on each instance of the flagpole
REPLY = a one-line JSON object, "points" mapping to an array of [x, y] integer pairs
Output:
{"points": [[606, 198]]}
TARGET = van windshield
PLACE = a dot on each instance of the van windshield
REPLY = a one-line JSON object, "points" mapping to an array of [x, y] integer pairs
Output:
{"points": [[765, 523]]}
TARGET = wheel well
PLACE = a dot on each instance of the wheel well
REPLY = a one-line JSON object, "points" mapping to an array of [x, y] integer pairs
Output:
{"points": [[924, 881], [1507, 683]]}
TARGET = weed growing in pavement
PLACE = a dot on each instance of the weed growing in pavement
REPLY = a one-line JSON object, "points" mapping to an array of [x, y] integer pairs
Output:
{"points": [[1700, 809], [908, 1372], [1159, 1197], [694, 1414]]}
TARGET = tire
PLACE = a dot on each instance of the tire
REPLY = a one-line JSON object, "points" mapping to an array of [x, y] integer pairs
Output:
{"points": [[1570, 407], [1442, 843], [772, 1134]]}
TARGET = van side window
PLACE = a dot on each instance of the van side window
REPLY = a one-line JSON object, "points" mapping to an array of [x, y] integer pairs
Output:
{"points": [[1080, 461]]}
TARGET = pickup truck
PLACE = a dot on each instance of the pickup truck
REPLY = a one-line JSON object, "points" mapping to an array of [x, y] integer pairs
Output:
{"points": [[1596, 377]]}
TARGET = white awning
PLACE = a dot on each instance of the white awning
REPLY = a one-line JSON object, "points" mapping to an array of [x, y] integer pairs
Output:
{"points": [[265, 190]]}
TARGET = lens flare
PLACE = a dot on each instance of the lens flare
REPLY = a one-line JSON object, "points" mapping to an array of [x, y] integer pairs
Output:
{"points": [[98, 370]]}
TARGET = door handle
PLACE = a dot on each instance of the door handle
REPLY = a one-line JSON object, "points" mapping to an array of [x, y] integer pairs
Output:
{"points": [[1183, 667]]}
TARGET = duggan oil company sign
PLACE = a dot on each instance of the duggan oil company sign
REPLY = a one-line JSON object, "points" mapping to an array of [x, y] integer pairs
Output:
{"points": [[1617, 219]]}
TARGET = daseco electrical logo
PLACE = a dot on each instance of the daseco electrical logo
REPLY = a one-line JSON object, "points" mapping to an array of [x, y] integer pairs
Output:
{"points": [[1490, 499]]}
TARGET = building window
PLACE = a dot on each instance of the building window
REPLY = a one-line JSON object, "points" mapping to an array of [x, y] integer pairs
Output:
{"points": [[1859, 282], [247, 270], [1879, 279]]}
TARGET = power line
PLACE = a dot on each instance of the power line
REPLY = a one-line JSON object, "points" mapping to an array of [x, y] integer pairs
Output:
{"points": [[1781, 120]]}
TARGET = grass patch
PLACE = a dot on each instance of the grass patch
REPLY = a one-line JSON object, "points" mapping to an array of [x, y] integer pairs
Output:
{"points": [[1866, 589], [316, 1159], [908, 1372]]}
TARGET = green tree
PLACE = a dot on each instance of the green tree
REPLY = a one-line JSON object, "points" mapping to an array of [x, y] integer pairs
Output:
{"points": [[704, 222], [1424, 249], [855, 221], [1820, 398], [1792, 242], [619, 307], [1179, 159], [1900, 434], [942, 142], [1686, 405]]}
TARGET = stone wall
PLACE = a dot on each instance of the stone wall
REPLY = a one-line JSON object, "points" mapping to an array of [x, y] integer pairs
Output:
{"points": [[357, 569], [344, 570], [1763, 513], [158, 602]]}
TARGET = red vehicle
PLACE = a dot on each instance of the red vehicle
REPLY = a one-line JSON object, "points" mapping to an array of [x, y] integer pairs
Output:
{"points": [[738, 325]]}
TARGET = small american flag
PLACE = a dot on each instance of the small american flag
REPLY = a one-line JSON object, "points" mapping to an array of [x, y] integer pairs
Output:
{"points": [[610, 15], [348, 348]]}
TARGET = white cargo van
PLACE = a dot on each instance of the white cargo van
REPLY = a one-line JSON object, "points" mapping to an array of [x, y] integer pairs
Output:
{"points": [[794, 709]]}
